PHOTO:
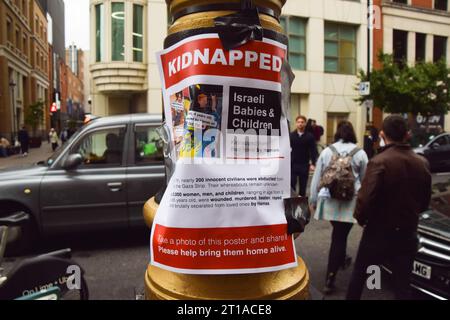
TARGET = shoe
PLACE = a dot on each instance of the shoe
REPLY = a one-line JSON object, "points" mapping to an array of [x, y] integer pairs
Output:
{"points": [[347, 262], [329, 284]]}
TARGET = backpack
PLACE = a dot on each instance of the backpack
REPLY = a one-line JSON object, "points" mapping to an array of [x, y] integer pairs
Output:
{"points": [[338, 176]]}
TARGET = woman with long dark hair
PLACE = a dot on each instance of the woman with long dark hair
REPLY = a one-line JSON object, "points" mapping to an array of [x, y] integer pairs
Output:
{"points": [[338, 212]]}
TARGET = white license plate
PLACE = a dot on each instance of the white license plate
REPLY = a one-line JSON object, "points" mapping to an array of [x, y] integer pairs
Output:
{"points": [[422, 270]]}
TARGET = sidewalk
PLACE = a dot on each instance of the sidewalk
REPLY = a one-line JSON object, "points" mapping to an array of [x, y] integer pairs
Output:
{"points": [[34, 156]]}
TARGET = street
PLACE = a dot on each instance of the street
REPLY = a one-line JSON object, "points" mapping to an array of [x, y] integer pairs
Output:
{"points": [[115, 262]]}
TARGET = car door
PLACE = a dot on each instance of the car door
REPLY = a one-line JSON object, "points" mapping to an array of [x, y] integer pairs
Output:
{"points": [[446, 155], [438, 153], [145, 172], [92, 196]]}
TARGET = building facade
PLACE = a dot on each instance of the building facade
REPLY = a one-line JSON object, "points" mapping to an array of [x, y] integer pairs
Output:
{"points": [[327, 47], [123, 69], [413, 30], [23, 62], [87, 83], [75, 82], [55, 14], [39, 55]]}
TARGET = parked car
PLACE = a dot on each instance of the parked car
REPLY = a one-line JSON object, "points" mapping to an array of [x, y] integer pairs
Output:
{"points": [[100, 179], [437, 152], [431, 271]]}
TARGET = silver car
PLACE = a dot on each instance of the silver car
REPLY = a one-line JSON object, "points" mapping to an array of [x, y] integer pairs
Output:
{"points": [[437, 152], [100, 179]]}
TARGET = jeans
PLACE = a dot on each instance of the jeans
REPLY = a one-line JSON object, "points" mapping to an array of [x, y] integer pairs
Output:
{"points": [[379, 246], [338, 250]]}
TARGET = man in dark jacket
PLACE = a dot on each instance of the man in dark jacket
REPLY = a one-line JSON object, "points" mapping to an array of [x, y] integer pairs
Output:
{"points": [[395, 191], [24, 140], [304, 155], [370, 139]]}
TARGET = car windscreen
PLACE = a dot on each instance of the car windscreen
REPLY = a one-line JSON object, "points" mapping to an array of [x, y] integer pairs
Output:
{"points": [[61, 148]]}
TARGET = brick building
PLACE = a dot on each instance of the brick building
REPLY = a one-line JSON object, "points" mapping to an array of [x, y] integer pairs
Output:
{"points": [[23, 62], [75, 82], [412, 30], [15, 64], [39, 56]]}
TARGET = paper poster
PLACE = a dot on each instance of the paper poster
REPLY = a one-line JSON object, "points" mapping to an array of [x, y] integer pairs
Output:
{"points": [[223, 210]]}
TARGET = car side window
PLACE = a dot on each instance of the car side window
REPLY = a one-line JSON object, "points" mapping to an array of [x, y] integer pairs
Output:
{"points": [[102, 147], [442, 141], [149, 146]]}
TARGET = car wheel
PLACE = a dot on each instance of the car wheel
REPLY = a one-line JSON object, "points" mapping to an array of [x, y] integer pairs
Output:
{"points": [[21, 239]]}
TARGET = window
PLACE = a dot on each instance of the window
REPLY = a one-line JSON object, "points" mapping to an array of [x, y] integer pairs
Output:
{"points": [[25, 44], [138, 33], [296, 31], [9, 28], [420, 47], [104, 147], [18, 42], [24, 8], [149, 146], [340, 48], [118, 31], [441, 4], [400, 46], [99, 33], [401, 1], [439, 48], [442, 141]]}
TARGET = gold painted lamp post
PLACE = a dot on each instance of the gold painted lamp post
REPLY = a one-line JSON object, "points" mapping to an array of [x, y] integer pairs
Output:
{"points": [[160, 284], [291, 284]]}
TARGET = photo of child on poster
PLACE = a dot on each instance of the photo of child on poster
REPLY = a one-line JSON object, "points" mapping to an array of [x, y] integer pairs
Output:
{"points": [[179, 106], [202, 113]]}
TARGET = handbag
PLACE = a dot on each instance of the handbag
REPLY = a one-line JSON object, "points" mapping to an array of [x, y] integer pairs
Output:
{"points": [[298, 214]]}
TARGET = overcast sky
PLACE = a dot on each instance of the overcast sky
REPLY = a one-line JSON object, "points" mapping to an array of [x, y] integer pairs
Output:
{"points": [[77, 23]]}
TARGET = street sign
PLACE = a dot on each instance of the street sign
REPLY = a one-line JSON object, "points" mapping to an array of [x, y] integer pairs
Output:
{"points": [[364, 88]]}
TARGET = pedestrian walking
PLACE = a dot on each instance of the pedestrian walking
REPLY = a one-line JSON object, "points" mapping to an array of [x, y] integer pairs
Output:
{"points": [[304, 155], [395, 191], [53, 136], [63, 135], [317, 130], [341, 167], [371, 137], [309, 126], [24, 139]]}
